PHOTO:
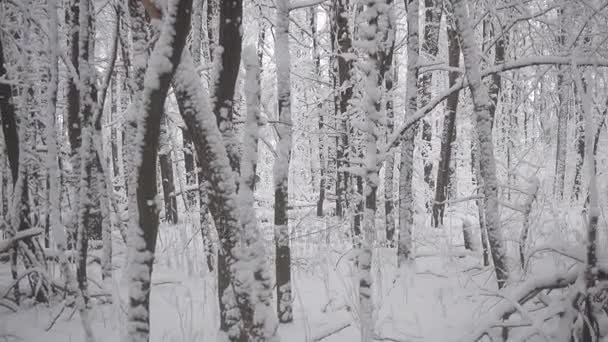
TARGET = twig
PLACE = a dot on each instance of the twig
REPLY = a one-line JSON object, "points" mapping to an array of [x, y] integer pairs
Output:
{"points": [[330, 331]]}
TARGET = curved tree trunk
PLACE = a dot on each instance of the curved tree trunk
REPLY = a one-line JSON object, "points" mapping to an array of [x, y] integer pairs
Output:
{"points": [[483, 125], [176, 24], [225, 74]]}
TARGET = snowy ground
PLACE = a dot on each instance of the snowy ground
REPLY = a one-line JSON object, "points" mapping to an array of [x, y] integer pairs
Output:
{"points": [[438, 302]]}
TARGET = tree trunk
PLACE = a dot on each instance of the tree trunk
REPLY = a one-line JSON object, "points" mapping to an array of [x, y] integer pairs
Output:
{"points": [[448, 136], [481, 102], [562, 115], [89, 204], [386, 73], [590, 325], [166, 174], [281, 165], [216, 171], [258, 316], [429, 47], [405, 251], [317, 72], [225, 74], [344, 70], [142, 241]]}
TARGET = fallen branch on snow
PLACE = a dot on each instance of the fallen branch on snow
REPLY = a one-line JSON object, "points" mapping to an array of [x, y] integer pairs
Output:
{"points": [[330, 331], [518, 296]]}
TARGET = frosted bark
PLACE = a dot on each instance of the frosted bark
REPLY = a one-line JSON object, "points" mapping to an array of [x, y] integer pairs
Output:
{"points": [[483, 125], [448, 136], [139, 62], [226, 69], [562, 116], [255, 283], [591, 259], [531, 196], [406, 200], [341, 32], [54, 173], [316, 59], [429, 48], [374, 23], [389, 165], [217, 171], [281, 165], [86, 198], [142, 242]]}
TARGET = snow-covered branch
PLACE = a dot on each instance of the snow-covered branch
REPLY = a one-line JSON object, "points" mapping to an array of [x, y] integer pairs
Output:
{"points": [[507, 66], [5, 245], [297, 4]]}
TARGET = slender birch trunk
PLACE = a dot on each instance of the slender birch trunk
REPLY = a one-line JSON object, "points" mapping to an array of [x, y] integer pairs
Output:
{"points": [[281, 165], [258, 316], [483, 125], [405, 251], [429, 47], [59, 237], [448, 136], [344, 70]]}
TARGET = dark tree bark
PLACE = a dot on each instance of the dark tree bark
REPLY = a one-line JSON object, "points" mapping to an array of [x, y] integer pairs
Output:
{"points": [[562, 114], [429, 49], [448, 136], [76, 112], [226, 72], [281, 165], [166, 174], [212, 27], [72, 14], [172, 38], [385, 57], [217, 174], [343, 39], [316, 57], [11, 139]]}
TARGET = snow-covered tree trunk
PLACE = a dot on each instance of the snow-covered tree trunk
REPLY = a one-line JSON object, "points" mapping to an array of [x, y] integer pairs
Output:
{"points": [[260, 323], [54, 172], [343, 39], [590, 329], [448, 135], [11, 138], [372, 34], [389, 164], [216, 169], [386, 73], [478, 182], [162, 65], [139, 62], [429, 49], [88, 198], [405, 251], [316, 59], [281, 165], [212, 27], [562, 115], [483, 125]]}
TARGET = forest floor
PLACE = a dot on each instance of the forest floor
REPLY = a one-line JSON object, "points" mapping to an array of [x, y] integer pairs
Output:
{"points": [[437, 299]]}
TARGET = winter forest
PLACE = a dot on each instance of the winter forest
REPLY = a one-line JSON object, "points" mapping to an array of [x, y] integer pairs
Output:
{"points": [[303, 170]]}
